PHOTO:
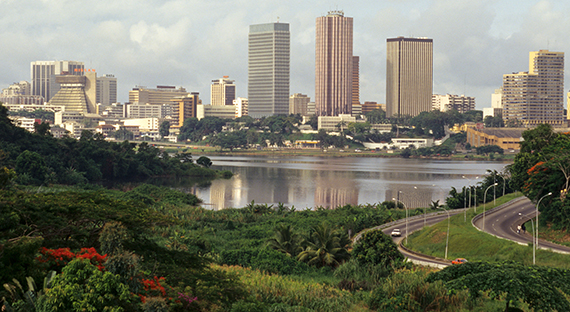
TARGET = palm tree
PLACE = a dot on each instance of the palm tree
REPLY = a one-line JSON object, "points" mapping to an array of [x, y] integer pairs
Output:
{"points": [[325, 247], [285, 240]]}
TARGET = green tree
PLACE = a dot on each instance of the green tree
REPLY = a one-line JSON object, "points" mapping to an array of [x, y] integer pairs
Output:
{"points": [[542, 288], [375, 116], [164, 129], [82, 287], [285, 240], [494, 122], [31, 166], [123, 134], [376, 248], [204, 162], [42, 128], [325, 246]]}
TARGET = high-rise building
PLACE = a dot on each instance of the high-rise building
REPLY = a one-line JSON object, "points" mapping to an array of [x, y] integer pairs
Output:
{"points": [[447, 102], [298, 104], [268, 69], [537, 96], [184, 107], [333, 65], [107, 89], [223, 91], [160, 95], [409, 76], [43, 76], [355, 80]]}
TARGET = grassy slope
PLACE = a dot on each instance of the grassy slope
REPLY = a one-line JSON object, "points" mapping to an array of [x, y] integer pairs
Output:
{"points": [[467, 242]]}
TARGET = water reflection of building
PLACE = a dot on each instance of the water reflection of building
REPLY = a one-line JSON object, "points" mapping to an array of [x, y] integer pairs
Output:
{"points": [[413, 198], [332, 192]]}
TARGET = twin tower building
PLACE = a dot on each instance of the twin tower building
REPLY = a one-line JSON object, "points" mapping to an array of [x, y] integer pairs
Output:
{"points": [[409, 70]]}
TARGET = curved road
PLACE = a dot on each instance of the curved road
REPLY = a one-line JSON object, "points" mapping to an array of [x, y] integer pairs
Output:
{"points": [[502, 222], [415, 223]]}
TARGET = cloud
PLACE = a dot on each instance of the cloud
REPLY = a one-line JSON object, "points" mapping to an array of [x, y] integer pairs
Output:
{"points": [[190, 42]]}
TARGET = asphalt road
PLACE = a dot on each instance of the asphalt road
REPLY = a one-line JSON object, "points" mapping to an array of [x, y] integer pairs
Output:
{"points": [[503, 223], [416, 223]]}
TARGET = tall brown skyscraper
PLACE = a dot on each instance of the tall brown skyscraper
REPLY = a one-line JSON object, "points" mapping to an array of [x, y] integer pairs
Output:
{"points": [[333, 65], [409, 76], [355, 80]]}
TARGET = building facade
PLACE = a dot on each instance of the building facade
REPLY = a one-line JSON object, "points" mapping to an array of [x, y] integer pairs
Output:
{"points": [[43, 76], [355, 80], [222, 91], [268, 69], [447, 102], [107, 89], [537, 96], [409, 76], [76, 93], [184, 107], [242, 107], [333, 65], [144, 110], [160, 95], [298, 104]]}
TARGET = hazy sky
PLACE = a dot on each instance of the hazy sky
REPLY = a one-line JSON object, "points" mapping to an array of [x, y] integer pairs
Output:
{"points": [[189, 43]]}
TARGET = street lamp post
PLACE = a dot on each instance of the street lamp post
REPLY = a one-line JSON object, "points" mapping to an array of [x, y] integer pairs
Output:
{"points": [[477, 177], [537, 216], [464, 205], [485, 203], [425, 210], [533, 243], [406, 217], [447, 239]]}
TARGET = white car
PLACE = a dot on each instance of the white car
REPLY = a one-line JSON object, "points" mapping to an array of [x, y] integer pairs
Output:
{"points": [[396, 233]]}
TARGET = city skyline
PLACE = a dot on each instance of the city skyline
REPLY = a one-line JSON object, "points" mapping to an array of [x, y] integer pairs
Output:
{"points": [[187, 44]]}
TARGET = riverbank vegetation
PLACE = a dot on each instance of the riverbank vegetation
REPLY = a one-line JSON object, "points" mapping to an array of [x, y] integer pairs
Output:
{"points": [[39, 159], [151, 249]]}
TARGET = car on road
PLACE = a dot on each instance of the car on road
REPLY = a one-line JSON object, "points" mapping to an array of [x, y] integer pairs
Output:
{"points": [[396, 233], [459, 261]]}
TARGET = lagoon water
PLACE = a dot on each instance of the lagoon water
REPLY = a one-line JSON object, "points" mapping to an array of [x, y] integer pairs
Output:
{"points": [[307, 182]]}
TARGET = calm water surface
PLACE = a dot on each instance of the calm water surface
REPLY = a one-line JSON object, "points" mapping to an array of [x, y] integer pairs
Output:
{"points": [[329, 182]]}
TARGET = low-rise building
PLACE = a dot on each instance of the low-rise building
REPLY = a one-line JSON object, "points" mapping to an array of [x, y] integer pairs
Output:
{"points": [[143, 124], [334, 123], [224, 112], [505, 138]]}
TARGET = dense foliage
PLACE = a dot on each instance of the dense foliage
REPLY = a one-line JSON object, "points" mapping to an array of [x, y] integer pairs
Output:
{"points": [[41, 159], [474, 195], [543, 289], [55, 230], [543, 167]]}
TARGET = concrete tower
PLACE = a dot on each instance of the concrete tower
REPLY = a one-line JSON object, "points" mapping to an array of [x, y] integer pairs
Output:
{"points": [[222, 91], [409, 76], [333, 65], [268, 69], [537, 96]]}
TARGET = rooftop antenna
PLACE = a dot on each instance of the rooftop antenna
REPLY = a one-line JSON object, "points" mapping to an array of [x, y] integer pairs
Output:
{"points": [[277, 19]]}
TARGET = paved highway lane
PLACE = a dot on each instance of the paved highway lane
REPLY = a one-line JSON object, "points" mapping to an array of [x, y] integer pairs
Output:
{"points": [[503, 223], [416, 223]]}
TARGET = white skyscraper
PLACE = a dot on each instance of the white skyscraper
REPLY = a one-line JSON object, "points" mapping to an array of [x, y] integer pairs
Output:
{"points": [[268, 69]]}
